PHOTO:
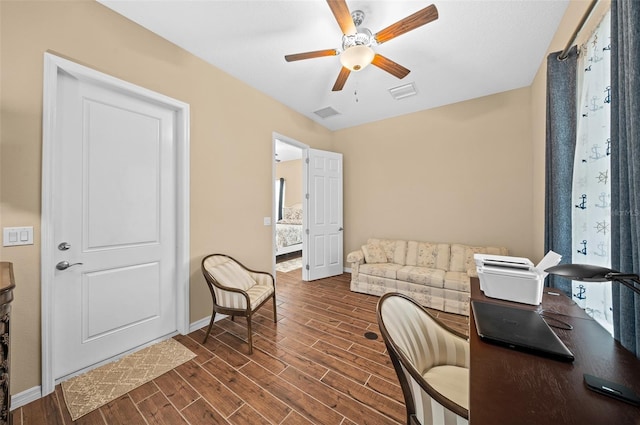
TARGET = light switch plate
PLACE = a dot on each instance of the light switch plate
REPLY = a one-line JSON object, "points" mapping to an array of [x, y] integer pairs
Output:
{"points": [[14, 236]]}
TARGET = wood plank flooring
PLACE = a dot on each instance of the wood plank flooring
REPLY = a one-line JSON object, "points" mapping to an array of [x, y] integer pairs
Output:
{"points": [[313, 367]]}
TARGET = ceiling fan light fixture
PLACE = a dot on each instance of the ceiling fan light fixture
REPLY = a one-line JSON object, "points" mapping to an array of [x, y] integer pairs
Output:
{"points": [[356, 58]]}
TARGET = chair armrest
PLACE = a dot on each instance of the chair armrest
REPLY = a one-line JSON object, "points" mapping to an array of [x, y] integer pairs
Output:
{"points": [[356, 257]]}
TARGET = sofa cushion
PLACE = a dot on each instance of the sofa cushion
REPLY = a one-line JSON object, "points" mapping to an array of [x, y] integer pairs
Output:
{"points": [[388, 270], [457, 263], [433, 255], [457, 281], [470, 262], [428, 254], [412, 253], [462, 257], [373, 253], [394, 249], [422, 275]]}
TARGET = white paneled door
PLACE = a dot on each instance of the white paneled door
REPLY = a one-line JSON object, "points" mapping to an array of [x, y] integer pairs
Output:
{"points": [[114, 224], [324, 215]]}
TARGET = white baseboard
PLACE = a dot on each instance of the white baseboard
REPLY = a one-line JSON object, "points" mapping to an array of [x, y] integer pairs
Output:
{"points": [[347, 269], [204, 322], [199, 324], [25, 397]]}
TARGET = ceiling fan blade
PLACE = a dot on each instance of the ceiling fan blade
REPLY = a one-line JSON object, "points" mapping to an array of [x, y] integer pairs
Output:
{"points": [[343, 16], [421, 17], [310, 55], [390, 66], [342, 78]]}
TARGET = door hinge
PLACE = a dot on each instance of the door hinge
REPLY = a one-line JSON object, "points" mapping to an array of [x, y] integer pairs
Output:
{"points": [[306, 231], [306, 267], [306, 195], [306, 160]]}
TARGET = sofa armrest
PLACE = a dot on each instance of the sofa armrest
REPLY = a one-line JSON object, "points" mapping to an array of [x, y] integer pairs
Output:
{"points": [[356, 257]]}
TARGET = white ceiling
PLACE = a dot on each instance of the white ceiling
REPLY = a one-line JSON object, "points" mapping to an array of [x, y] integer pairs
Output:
{"points": [[475, 48], [286, 152]]}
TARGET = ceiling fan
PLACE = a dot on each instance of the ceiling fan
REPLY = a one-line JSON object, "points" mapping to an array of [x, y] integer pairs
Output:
{"points": [[356, 52]]}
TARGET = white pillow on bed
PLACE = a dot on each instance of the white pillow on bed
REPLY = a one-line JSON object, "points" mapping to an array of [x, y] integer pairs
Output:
{"points": [[291, 215], [283, 221]]}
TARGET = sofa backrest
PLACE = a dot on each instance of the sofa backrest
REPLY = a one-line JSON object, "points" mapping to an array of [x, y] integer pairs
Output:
{"points": [[428, 254], [462, 257], [396, 250], [452, 257]]}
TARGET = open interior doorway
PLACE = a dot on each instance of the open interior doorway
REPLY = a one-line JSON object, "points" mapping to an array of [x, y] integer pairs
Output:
{"points": [[288, 171]]}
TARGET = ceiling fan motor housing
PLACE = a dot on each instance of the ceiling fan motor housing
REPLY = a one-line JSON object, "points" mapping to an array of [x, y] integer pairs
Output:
{"points": [[358, 17], [362, 38]]}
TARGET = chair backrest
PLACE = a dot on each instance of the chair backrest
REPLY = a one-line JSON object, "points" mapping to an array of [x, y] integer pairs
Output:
{"points": [[222, 273], [417, 342]]}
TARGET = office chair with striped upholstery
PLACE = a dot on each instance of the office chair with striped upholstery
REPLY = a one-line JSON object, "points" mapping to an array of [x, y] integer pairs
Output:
{"points": [[431, 361]]}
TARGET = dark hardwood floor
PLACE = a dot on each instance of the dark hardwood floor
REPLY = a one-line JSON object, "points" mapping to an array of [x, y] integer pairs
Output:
{"points": [[313, 367]]}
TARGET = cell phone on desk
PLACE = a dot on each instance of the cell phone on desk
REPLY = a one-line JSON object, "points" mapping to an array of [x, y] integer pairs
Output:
{"points": [[611, 389]]}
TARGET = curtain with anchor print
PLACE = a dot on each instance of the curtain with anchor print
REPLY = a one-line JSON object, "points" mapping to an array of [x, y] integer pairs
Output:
{"points": [[591, 186]]}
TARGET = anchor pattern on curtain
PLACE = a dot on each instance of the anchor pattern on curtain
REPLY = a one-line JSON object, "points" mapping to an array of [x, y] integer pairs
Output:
{"points": [[591, 186]]}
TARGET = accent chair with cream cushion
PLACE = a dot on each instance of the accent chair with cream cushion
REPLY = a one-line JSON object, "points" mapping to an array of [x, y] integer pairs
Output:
{"points": [[237, 290], [431, 361]]}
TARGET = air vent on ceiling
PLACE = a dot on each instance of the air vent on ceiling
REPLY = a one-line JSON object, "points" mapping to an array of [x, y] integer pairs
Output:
{"points": [[326, 112], [403, 91]]}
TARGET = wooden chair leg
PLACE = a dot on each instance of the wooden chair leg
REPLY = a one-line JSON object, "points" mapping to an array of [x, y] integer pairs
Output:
{"points": [[275, 314], [213, 316], [249, 332]]}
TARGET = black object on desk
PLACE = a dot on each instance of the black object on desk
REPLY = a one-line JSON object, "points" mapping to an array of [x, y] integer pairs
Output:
{"points": [[519, 329], [611, 389]]}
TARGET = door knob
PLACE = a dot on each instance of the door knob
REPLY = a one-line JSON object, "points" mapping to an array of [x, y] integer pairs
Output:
{"points": [[63, 265]]}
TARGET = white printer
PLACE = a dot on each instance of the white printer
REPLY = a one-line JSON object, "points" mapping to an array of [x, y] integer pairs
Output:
{"points": [[513, 278]]}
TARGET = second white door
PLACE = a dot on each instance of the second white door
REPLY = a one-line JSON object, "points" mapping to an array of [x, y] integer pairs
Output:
{"points": [[324, 231]]}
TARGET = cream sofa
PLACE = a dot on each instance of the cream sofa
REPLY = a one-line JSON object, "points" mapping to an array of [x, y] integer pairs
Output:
{"points": [[435, 274]]}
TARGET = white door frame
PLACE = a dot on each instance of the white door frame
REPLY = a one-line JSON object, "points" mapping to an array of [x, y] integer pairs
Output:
{"points": [[304, 147], [53, 65]]}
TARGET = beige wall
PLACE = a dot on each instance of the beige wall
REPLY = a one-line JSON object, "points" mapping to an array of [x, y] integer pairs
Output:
{"points": [[292, 173], [459, 173], [223, 217], [470, 172]]}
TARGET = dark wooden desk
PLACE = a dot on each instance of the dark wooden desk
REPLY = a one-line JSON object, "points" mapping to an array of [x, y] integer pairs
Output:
{"points": [[512, 387]]}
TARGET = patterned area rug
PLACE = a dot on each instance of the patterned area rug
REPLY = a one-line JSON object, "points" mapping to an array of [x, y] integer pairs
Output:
{"points": [[91, 390], [289, 265]]}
